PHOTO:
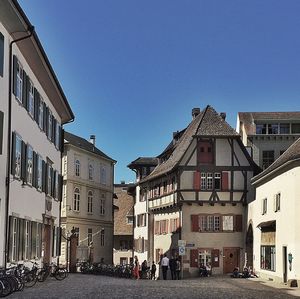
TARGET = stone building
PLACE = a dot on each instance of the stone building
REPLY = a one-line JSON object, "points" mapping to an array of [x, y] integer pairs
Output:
{"points": [[87, 203], [123, 224], [33, 109]]}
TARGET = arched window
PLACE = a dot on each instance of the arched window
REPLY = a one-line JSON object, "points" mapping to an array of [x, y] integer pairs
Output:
{"points": [[77, 168], [76, 199], [90, 202], [91, 172]]}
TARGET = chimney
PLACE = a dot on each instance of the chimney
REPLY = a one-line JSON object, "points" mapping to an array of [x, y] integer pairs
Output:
{"points": [[223, 115], [93, 139], [195, 112]]}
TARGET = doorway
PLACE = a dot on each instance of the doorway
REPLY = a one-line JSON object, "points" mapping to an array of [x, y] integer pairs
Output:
{"points": [[46, 243], [231, 259], [284, 256]]}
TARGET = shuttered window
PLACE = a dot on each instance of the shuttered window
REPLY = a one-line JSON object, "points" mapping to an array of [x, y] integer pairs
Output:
{"points": [[17, 155], [194, 258], [29, 165], [205, 154], [225, 177], [197, 180], [30, 97]]}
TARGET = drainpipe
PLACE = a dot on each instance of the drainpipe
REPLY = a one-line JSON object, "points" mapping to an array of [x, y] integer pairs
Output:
{"points": [[8, 166]]}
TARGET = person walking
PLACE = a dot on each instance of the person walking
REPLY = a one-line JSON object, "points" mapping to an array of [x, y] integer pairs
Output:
{"points": [[164, 266], [178, 268], [172, 264], [153, 271], [136, 269]]}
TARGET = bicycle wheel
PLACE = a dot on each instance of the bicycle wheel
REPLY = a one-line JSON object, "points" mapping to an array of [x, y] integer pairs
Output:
{"points": [[42, 275], [30, 280], [5, 287], [60, 274]]}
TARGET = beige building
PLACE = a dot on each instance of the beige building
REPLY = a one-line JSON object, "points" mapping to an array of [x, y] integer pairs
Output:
{"points": [[198, 193], [87, 203], [123, 224], [273, 218], [33, 109], [268, 134]]}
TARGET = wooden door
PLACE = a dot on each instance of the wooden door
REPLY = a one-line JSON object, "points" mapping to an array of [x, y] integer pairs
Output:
{"points": [[46, 243], [231, 259]]}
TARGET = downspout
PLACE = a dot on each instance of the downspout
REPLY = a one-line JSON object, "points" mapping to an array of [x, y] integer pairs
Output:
{"points": [[8, 166]]}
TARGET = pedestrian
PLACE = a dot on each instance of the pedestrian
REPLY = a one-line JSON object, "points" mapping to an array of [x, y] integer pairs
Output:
{"points": [[164, 266], [144, 269], [178, 268], [153, 271], [172, 264], [136, 269]]}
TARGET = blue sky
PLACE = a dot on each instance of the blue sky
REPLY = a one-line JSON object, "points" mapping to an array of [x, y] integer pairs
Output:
{"points": [[133, 70]]}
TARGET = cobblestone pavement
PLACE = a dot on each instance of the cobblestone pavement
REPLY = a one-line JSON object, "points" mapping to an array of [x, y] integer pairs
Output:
{"points": [[89, 286]]}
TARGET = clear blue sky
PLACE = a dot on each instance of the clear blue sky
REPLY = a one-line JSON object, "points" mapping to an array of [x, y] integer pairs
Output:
{"points": [[133, 70]]}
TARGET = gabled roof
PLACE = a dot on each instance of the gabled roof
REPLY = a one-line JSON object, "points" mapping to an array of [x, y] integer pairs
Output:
{"points": [[249, 118], [206, 124], [85, 144], [291, 154]]}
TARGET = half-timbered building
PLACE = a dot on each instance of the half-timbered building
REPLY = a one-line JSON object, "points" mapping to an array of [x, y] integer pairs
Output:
{"points": [[198, 193]]}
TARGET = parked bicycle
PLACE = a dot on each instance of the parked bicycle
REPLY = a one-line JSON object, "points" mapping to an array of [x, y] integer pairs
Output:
{"points": [[57, 272]]}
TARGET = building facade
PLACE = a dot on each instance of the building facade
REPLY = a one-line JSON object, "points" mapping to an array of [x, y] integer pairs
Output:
{"points": [[198, 194], [273, 218], [87, 203], [268, 134], [34, 108], [123, 224], [142, 166]]}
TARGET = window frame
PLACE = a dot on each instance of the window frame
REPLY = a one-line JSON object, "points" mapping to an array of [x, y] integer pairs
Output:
{"points": [[76, 199], [271, 255], [19, 83], [30, 104], [77, 167], [90, 196], [29, 165]]}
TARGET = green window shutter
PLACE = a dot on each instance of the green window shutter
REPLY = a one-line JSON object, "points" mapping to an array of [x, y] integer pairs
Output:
{"points": [[25, 90], [33, 239], [36, 105], [1, 131], [11, 236], [43, 176], [13, 154], [34, 169], [59, 189], [15, 67], [58, 241], [44, 118], [21, 238]]}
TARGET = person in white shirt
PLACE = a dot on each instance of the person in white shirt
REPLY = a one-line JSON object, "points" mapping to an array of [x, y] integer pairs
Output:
{"points": [[164, 266]]}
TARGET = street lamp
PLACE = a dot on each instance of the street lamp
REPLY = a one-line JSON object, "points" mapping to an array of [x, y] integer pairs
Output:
{"points": [[68, 237]]}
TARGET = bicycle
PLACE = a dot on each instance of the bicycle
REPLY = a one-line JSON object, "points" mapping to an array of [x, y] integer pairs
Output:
{"points": [[51, 270]]}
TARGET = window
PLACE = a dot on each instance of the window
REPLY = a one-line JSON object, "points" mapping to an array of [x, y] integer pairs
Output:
{"points": [[31, 99], [209, 223], [19, 83], [102, 238], [90, 202], [1, 54], [103, 175], [141, 220], [163, 227], [57, 135], [165, 186], [39, 172], [129, 219], [227, 222], [29, 167], [205, 153], [49, 180], [268, 257], [91, 172], [295, 128], [102, 204], [277, 202], [267, 158], [284, 128], [18, 157], [50, 125], [76, 201], [205, 257], [41, 114], [261, 129], [217, 181], [209, 181], [203, 181], [264, 206], [173, 183], [272, 128], [38, 239], [77, 167], [90, 236], [65, 165]]}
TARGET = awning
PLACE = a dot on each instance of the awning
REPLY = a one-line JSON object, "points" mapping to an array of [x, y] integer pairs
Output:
{"points": [[266, 224]]}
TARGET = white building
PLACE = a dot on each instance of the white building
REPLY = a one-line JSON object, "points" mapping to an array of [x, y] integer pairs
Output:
{"points": [[34, 108], [142, 166], [88, 176], [273, 218]]}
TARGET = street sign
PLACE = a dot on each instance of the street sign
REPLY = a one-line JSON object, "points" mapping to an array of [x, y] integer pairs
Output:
{"points": [[190, 245], [181, 243], [181, 250]]}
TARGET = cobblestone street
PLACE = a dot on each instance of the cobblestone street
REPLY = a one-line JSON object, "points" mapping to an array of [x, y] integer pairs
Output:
{"points": [[89, 286]]}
